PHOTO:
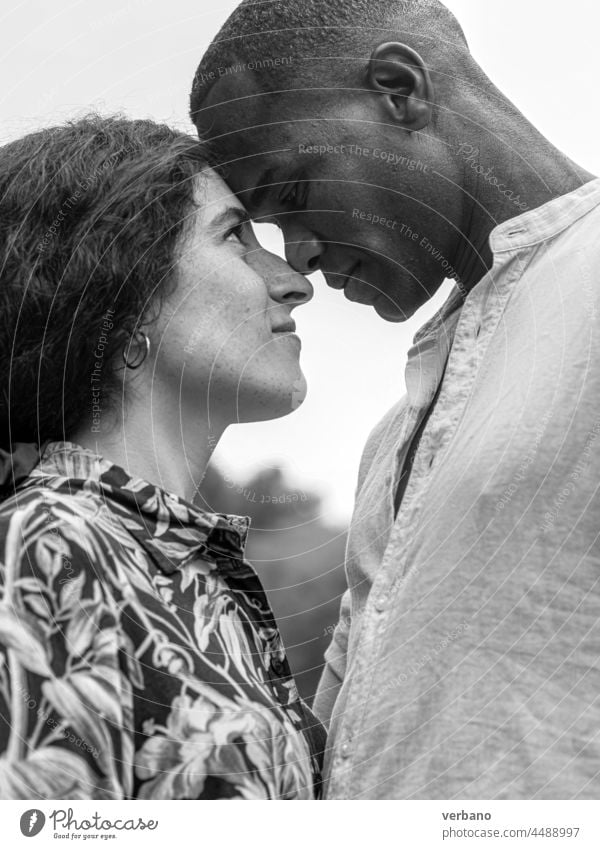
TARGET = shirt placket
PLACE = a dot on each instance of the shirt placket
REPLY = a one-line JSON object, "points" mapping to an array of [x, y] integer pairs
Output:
{"points": [[469, 342], [374, 616]]}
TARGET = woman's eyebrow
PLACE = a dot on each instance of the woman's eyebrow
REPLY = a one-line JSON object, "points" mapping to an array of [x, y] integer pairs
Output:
{"points": [[231, 215]]}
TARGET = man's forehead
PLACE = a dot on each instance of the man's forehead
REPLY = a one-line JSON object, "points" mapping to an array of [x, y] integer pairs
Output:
{"points": [[254, 132], [254, 176], [235, 102]]}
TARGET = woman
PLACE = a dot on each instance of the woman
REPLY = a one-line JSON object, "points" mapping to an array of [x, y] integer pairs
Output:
{"points": [[139, 657]]}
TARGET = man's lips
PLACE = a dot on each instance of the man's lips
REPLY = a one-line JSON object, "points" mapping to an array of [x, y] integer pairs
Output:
{"points": [[360, 292], [350, 276], [340, 279], [357, 291]]}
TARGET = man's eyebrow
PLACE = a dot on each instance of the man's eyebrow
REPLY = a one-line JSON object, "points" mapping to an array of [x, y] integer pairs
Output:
{"points": [[231, 215]]}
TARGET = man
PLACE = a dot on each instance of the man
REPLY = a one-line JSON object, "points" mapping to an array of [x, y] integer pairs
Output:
{"points": [[466, 662]]}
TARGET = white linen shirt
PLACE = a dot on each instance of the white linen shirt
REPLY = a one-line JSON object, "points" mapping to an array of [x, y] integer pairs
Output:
{"points": [[466, 663]]}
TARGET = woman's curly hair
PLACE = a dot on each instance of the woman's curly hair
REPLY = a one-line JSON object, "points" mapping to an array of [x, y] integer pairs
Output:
{"points": [[90, 216]]}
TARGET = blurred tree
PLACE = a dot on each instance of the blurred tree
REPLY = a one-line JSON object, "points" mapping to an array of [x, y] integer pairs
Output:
{"points": [[299, 557]]}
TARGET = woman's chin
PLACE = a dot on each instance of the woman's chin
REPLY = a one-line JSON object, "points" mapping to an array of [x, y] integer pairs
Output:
{"points": [[275, 403]]}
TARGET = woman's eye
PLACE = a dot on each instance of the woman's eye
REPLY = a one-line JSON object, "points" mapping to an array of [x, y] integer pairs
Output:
{"points": [[236, 233]]}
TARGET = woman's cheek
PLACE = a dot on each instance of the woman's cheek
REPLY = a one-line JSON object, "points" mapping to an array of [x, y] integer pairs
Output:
{"points": [[251, 290]]}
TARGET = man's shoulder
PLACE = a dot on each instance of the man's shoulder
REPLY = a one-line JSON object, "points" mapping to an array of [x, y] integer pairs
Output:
{"points": [[574, 222], [565, 270]]}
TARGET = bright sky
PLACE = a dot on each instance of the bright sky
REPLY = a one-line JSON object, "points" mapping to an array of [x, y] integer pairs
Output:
{"points": [[61, 58]]}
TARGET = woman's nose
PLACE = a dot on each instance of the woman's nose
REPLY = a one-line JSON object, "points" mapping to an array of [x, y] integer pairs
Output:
{"points": [[303, 250], [286, 286]]}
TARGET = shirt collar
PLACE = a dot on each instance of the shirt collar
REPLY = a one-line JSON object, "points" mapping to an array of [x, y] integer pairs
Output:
{"points": [[546, 221], [429, 352], [432, 342], [168, 527], [530, 228], [440, 320], [16, 464]]}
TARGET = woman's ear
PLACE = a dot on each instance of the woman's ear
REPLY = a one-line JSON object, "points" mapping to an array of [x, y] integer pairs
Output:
{"points": [[400, 76]]}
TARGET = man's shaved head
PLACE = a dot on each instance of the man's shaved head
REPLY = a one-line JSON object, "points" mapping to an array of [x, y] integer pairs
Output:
{"points": [[279, 40], [333, 116]]}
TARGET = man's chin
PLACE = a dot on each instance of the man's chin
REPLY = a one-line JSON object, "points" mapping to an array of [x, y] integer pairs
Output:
{"points": [[389, 311]]}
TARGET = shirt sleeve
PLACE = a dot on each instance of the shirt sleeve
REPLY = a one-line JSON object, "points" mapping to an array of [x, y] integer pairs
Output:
{"points": [[65, 700], [335, 665]]}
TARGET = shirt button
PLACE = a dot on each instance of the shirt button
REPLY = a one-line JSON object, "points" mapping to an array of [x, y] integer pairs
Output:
{"points": [[278, 667], [345, 749], [380, 603]]}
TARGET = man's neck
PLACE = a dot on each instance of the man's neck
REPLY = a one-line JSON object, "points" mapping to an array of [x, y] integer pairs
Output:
{"points": [[502, 181]]}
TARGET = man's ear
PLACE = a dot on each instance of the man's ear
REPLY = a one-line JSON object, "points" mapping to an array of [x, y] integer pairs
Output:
{"points": [[399, 74]]}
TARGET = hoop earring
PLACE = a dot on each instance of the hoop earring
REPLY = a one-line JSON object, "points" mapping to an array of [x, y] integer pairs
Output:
{"points": [[145, 350]]}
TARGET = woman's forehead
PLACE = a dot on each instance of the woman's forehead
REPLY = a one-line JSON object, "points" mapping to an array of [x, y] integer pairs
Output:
{"points": [[214, 198]]}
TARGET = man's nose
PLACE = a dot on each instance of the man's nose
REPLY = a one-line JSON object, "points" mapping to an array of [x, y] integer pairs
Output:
{"points": [[303, 250]]}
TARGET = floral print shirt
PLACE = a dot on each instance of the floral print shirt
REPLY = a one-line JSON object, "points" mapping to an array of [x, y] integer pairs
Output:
{"points": [[139, 657]]}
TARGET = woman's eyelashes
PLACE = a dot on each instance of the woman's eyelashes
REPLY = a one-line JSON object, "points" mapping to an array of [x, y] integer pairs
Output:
{"points": [[241, 231], [236, 231]]}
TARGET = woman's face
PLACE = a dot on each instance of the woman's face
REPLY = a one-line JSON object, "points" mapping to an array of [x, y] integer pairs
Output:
{"points": [[225, 338]]}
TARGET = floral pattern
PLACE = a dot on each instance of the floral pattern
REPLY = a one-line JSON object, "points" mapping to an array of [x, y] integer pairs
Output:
{"points": [[139, 657]]}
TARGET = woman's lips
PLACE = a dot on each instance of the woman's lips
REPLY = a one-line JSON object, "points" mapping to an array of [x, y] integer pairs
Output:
{"points": [[285, 327], [291, 337], [287, 330]]}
